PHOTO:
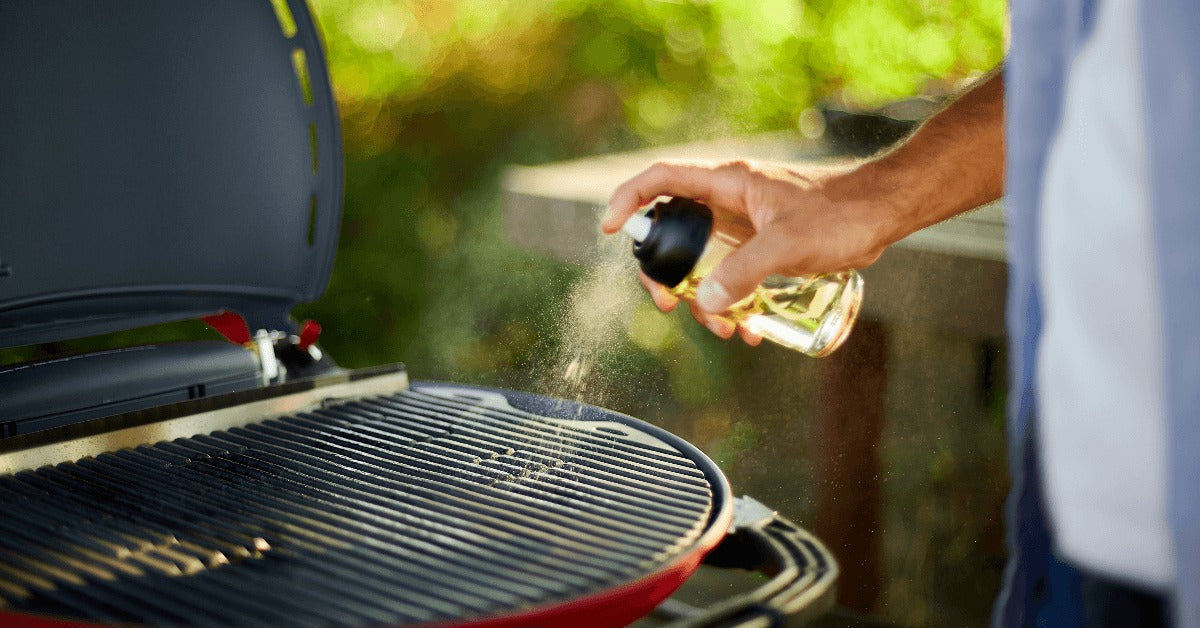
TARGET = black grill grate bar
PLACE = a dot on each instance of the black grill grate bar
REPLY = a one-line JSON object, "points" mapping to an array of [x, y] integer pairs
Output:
{"points": [[603, 441], [274, 605], [597, 440], [331, 584], [620, 468], [492, 450], [28, 571], [485, 539], [60, 516], [618, 519], [536, 483], [318, 529], [598, 553], [336, 562], [66, 523], [271, 605], [177, 505], [443, 482], [631, 463], [276, 609], [439, 486], [490, 439], [605, 445], [449, 482], [80, 481], [343, 618], [81, 605], [348, 515], [172, 602], [260, 604], [431, 505], [69, 604], [28, 559], [97, 546], [234, 547]]}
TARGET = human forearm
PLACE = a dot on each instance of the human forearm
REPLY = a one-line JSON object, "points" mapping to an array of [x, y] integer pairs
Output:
{"points": [[953, 163], [802, 220]]}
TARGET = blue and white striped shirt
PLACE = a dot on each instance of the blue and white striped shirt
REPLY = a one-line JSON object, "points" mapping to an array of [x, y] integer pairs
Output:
{"points": [[1046, 35]]}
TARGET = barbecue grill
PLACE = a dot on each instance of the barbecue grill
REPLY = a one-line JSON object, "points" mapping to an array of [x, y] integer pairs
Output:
{"points": [[165, 161]]}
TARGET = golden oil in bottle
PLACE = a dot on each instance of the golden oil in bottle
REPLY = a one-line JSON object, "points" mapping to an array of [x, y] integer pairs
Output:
{"points": [[813, 315]]}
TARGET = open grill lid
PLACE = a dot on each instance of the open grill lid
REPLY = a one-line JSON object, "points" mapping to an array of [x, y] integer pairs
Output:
{"points": [[162, 161]]}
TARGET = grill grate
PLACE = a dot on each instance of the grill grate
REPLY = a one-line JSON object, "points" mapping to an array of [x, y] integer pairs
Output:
{"points": [[414, 507]]}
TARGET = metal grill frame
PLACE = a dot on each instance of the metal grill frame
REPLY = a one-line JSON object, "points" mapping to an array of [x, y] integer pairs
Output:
{"points": [[611, 606], [624, 604]]}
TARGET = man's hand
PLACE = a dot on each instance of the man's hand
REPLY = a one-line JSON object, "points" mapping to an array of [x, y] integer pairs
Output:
{"points": [[792, 222], [807, 221]]}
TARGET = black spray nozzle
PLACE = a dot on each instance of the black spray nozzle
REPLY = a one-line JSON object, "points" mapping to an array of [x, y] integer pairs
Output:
{"points": [[676, 239]]}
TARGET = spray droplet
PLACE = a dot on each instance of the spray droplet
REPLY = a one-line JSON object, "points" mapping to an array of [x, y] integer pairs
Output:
{"points": [[593, 322], [597, 312], [577, 371]]}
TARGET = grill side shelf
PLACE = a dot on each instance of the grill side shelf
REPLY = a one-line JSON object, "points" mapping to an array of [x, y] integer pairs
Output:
{"points": [[190, 418]]}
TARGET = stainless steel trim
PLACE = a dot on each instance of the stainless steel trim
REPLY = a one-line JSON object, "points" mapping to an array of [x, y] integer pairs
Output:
{"points": [[201, 423]]}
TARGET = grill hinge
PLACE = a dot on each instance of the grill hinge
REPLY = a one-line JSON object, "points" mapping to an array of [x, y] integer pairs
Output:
{"points": [[264, 347]]}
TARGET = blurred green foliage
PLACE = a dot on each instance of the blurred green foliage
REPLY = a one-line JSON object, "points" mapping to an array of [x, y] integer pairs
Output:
{"points": [[438, 95], [674, 67]]}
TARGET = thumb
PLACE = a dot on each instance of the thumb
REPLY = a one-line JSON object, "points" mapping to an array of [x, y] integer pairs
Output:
{"points": [[741, 271]]}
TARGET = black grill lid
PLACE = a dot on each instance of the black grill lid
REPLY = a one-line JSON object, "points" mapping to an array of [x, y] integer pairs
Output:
{"points": [[442, 503], [160, 161]]}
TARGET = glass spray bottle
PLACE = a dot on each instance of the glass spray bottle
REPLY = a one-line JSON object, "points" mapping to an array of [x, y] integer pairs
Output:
{"points": [[677, 245]]}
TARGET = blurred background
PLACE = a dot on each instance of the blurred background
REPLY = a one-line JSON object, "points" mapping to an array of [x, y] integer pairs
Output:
{"points": [[438, 97]]}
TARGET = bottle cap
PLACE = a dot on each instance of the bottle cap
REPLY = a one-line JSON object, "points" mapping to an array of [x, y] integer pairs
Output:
{"points": [[638, 226], [679, 229]]}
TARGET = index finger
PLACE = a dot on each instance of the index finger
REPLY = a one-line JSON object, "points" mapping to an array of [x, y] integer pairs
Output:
{"points": [[712, 184], [662, 297]]}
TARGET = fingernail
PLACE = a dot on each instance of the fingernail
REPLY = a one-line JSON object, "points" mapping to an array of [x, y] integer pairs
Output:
{"points": [[605, 218], [712, 297]]}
